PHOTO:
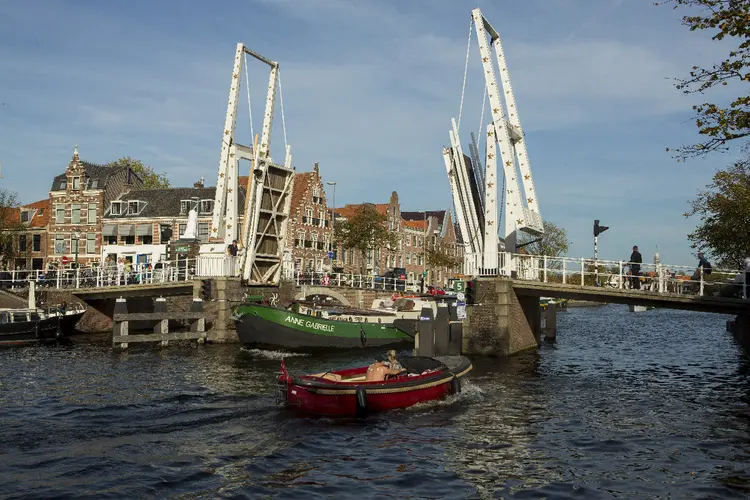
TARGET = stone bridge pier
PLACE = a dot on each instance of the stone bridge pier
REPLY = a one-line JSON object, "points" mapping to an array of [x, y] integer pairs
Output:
{"points": [[502, 322]]}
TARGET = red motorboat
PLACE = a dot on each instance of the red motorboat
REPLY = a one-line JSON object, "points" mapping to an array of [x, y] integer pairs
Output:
{"points": [[348, 393]]}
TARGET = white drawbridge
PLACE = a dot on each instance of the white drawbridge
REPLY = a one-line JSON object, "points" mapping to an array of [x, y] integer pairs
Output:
{"points": [[475, 187], [269, 188]]}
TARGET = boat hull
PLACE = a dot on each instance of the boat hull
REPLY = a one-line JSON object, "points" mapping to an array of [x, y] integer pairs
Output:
{"points": [[267, 327], [31, 332], [312, 396]]}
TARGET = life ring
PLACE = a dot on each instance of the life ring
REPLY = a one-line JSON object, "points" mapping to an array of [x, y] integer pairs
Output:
{"points": [[361, 401], [455, 385], [326, 280]]}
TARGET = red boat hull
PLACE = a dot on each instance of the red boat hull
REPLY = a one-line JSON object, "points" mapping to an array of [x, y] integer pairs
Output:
{"points": [[317, 396]]}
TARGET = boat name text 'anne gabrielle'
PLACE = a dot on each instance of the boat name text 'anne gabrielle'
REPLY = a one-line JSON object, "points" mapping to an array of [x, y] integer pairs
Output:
{"points": [[309, 324]]}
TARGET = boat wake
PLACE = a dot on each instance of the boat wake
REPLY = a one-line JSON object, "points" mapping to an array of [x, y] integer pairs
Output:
{"points": [[262, 353]]}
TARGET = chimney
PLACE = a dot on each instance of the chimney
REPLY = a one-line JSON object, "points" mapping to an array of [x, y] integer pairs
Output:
{"points": [[199, 184]]}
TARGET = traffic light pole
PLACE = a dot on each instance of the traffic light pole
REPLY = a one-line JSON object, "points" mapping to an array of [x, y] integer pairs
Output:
{"points": [[596, 260]]}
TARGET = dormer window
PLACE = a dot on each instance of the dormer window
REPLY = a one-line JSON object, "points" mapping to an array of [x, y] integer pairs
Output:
{"points": [[63, 184], [207, 206], [94, 183], [76, 183], [26, 215], [115, 208], [187, 205], [134, 207]]}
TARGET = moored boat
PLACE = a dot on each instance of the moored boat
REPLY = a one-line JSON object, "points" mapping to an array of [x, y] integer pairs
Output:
{"points": [[264, 326], [348, 393], [28, 326]]}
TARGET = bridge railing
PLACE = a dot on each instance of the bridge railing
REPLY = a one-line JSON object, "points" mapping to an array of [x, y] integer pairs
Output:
{"points": [[351, 280], [653, 277], [96, 276]]}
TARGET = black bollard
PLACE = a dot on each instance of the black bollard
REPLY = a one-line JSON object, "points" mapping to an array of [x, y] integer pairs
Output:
{"points": [[455, 333], [441, 329], [426, 337]]}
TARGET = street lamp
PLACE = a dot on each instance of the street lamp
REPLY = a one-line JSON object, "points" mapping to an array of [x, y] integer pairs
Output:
{"points": [[76, 238], [333, 218]]}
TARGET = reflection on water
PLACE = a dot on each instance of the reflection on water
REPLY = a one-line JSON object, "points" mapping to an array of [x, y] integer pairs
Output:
{"points": [[629, 405]]}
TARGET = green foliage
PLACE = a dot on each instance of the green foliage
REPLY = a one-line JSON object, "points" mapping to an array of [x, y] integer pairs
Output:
{"points": [[553, 243], [365, 231], [10, 224], [150, 178], [724, 19], [440, 256], [724, 212]]}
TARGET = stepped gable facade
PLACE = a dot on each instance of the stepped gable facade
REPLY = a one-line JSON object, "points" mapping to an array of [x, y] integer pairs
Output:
{"points": [[310, 227]]}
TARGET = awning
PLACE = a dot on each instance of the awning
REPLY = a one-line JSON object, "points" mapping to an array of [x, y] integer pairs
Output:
{"points": [[127, 230], [144, 230], [109, 230]]}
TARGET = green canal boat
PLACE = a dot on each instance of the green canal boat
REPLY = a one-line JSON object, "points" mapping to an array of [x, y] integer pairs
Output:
{"points": [[266, 327]]}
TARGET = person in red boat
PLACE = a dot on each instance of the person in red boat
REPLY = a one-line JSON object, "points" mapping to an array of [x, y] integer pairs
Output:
{"points": [[378, 371]]}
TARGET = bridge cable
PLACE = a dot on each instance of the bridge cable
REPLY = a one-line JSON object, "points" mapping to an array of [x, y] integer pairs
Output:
{"points": [[249, 106], [283, 120], [466, 70], [481, 124]]}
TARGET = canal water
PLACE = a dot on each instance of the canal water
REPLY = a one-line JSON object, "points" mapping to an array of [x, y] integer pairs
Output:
{"points": [[625, 405]]}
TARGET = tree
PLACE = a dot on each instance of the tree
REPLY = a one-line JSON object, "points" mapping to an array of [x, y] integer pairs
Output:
{"points": [[553, 243], [439, 256], [365, 231], [725, 19], [10, 224], [150, 178], [724, 212]]}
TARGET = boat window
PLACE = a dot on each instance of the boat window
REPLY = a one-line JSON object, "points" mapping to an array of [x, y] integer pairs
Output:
{"points": [[19, 317], [3, 318], [34, 316]]}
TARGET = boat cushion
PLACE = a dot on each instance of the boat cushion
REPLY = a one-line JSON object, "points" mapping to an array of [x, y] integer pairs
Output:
{"points": [[419, 364]]}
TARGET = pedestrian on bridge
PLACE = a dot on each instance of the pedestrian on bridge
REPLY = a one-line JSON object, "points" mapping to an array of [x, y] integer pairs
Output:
{"points": [[635, 268]]}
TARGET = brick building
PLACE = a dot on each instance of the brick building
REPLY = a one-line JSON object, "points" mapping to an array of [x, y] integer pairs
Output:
{"points": [[309, 230], [32, 244], [78, 200], [138, 224]]}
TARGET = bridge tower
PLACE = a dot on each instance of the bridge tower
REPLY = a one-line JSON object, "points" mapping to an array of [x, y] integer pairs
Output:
{"points": [[475, 187], [268, 196]]}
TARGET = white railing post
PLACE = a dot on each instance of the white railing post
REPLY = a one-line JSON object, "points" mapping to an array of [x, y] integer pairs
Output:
{"points": [[702, 282], [565, 262], [545, 269], [12, 277], [338, 278], [78, 277], [620, 278], [583, 269], [57, 277]]}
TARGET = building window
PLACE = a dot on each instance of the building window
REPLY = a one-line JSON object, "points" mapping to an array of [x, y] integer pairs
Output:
{"points": [[326, 242], [61, 243], [308, 216], [115, 208], [203, 231], [133, 207], [128, 240], [181, 230], [300, 242], [322, 216], [188, 205], [21, 242], [165, 232], [36, 243], [112, 240], [90, 243], [75, 214], [314, 239], [63, 184], [76, 183], [419, 260], [207, 206], [316, 192], [95, 184], [60, 214], [146, 239], [92, 213], [298, 265], [25, 215], [408, 259]]}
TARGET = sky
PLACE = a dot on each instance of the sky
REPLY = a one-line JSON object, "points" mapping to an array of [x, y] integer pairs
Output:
{"points": [[369, 88]]}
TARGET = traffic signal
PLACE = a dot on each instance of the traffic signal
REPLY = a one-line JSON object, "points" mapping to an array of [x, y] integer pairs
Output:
{"points": [[206, 289], [471, 291], [599, 229]]}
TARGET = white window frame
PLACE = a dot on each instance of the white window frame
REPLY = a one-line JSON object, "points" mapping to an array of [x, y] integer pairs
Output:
{"points": [[58, 209], [112, 206], [137, 207], [91, 212], [73, 208], [91, 243]]}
